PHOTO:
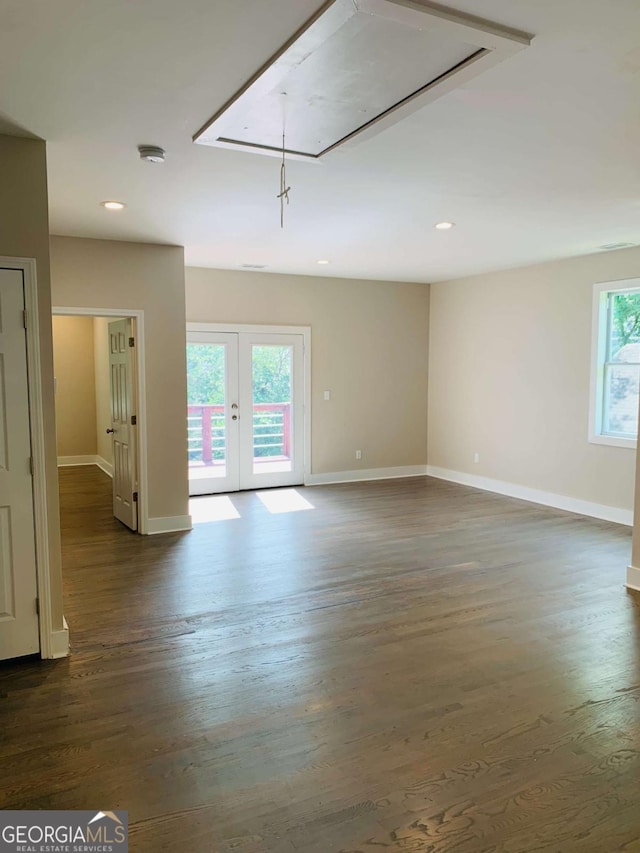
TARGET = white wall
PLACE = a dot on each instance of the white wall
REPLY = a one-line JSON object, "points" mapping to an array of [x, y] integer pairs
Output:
{"points": [[83, 387], [73, 355], [509, 374], [369, 348], [117, 275]]}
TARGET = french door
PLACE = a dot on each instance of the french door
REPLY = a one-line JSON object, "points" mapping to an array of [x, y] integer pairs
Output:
{"points": [[245, 410]]}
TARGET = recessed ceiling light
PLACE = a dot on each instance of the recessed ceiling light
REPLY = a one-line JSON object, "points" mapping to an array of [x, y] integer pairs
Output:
{"points": [[323, 262], [444, 226], [113, 205]]}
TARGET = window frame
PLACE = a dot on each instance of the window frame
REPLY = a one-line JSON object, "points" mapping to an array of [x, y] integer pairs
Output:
{"points": [[599, 353]]}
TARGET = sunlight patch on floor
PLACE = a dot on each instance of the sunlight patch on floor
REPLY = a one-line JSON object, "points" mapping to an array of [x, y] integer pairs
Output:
{"points": [[212, 508], [284, 500]]}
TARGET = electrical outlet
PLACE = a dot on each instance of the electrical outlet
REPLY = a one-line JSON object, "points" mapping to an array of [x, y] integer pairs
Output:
{"points": [[358, 454], [327, 395], [476, 458]]}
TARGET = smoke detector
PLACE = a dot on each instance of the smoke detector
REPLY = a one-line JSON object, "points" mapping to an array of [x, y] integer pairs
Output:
{"points": [[151, 153]]}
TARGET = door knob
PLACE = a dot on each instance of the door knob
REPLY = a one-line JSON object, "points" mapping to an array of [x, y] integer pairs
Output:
{"points": [[110, 430]]}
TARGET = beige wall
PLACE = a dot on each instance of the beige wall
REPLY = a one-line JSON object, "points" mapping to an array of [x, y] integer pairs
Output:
{"points": [[509, 371], [110, 274], [369, 348], [103, 387], [73, 355], [24, 233]]}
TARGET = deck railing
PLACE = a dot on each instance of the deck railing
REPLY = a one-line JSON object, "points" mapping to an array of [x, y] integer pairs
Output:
{"points": [[207, 434]]}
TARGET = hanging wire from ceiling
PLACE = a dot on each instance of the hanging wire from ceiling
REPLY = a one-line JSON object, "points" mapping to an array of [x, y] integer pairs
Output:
{"points": [[284, 189]]}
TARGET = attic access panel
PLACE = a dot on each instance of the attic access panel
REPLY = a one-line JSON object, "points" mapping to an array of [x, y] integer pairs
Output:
{"points": [[355, 68]]}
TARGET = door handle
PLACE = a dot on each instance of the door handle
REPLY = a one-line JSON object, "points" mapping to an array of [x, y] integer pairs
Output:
{"points": [[109, 430]]}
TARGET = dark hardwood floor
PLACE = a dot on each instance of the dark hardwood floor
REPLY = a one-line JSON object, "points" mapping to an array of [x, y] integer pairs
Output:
{"points": [[410, 665]]}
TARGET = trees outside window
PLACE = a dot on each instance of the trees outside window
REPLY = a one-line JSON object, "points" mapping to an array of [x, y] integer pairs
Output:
{"points": [[616, 380]]}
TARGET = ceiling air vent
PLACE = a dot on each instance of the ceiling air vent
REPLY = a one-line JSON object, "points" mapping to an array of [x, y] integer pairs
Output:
{"points": [[253, 266], [355, 68]]}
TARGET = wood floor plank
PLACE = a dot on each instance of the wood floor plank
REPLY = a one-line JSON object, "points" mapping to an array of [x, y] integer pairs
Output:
{"points": [[407, 665]]}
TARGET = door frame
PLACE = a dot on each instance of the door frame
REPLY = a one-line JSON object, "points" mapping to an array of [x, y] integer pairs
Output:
{"points": [[305, 331], [52, 644], [140, 373]]}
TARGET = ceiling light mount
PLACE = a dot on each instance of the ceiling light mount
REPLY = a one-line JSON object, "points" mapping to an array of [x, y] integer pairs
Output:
{"points": [[151, 153], [283, 195], [113, 205], [444, 226]]}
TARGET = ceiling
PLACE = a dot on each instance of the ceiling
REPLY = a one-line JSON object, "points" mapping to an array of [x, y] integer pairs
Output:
{"points": [[538, 158]]}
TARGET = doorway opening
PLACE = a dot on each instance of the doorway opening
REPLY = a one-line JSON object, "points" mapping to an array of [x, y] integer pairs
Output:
{"points": [[100, 413], [248, 407]]}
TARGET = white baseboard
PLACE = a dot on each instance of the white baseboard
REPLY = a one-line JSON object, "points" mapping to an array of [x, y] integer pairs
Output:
{"points": [[365, 474], [105, 466], [633, 578], [60, 641], [72, 461], [170, 524], [536, 496], [66, 461]]}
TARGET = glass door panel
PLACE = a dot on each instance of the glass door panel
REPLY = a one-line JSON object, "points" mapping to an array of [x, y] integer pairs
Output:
{"points": [[211, 427], [271, 401], [272, 373]]}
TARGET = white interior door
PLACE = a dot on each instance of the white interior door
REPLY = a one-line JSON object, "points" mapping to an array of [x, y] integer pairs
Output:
{"points": [[245, 410], [212, 414], [122, 430], [18, 585]]}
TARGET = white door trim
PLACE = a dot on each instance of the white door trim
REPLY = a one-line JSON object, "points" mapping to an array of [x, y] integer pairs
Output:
{"points": [[138, 316], [52, 643], [305, 331]]}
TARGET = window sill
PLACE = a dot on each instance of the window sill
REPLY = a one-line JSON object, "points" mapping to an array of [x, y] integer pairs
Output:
{"points": [[614, 441]]}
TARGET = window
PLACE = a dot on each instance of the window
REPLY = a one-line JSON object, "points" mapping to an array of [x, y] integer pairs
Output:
{"points": [[615, 380]]}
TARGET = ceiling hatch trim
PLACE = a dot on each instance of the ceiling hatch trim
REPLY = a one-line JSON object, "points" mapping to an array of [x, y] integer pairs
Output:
{"points": [[353, 69]]}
